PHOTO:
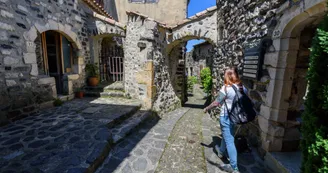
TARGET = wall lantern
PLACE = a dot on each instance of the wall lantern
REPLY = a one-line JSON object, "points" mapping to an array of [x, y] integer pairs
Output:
{"points": [[253, 60]]}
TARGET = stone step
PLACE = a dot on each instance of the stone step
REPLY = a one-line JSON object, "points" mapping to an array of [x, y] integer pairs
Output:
{"points": [[108, 94], [111, 112], [128, 126], [115, 86], [284, 162]]}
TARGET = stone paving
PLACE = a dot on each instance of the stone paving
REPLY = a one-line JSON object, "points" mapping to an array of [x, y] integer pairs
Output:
{"points": [[183, 152], [141, 151], [66, 138], [70, 138]]}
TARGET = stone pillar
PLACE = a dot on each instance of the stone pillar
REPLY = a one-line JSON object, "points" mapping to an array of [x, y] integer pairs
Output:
{"points": [[138, 64], [145, 80]]}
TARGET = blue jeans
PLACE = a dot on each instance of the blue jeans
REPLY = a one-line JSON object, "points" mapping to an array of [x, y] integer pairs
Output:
{"points": [[228, 140]]}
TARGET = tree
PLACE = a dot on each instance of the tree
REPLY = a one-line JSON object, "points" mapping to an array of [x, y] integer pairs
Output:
{"points": [[315, 118]]}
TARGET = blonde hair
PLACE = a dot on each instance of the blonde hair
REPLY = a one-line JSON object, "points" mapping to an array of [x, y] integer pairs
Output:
{"points": [[231, 76]]}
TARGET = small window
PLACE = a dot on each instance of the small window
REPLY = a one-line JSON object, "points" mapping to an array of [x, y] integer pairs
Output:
{"points": [[143, 1], [138, 1], [151, 1]]}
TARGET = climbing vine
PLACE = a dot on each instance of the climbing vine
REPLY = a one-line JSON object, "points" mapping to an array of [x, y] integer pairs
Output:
{"points": [[315, 117]]}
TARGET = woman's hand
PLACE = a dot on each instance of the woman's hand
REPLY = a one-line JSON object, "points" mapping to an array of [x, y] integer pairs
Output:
{"points": [[205, 110]]}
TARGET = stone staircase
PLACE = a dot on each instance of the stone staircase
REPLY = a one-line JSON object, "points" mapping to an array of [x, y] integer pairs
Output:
{"points": [[180, 76], [120, 121], [283, 162], [75, 137], [106, 90]]}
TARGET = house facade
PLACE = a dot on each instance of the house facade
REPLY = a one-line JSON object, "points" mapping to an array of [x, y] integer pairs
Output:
{"points": [[200, 57], [44, 46], [166, 11]]}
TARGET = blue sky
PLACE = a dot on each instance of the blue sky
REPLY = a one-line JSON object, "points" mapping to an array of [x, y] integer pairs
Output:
{"points": [[194, 7]]}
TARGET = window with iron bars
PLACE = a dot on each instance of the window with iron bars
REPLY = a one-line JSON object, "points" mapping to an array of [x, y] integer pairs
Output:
{"points": [[143, 1]]}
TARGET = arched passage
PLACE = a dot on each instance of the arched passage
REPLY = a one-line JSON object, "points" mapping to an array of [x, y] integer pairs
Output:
{"points": [[287, 66], [182, 64]]}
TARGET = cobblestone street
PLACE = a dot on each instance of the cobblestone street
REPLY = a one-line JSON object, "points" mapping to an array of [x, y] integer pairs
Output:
{"points": [[73, 137]]}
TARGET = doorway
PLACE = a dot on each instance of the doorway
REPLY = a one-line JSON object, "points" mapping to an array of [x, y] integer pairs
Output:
{"points": [[111, 61], [57, 57]]}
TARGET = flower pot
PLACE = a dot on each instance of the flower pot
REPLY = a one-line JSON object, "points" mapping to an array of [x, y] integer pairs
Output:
{"points": [[79, 94], [93, 81]]}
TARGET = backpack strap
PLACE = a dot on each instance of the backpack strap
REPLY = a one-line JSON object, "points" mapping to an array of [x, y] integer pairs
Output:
{"points": [[236, 91], [225, 89]]}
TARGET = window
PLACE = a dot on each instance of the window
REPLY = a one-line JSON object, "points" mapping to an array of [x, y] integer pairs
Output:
{"points": [[57, 53], [143, 1], [221, 30]]}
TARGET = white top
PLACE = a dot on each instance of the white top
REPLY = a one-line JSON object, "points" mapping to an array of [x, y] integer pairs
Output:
{"points": [[230, 94]]}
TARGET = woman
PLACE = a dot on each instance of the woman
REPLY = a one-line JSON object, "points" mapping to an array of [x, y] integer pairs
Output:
{"points": [[225, 99]]}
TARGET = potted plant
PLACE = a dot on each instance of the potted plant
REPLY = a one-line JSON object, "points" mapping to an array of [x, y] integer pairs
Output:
{"points": [[92, 72], [79, 93]]}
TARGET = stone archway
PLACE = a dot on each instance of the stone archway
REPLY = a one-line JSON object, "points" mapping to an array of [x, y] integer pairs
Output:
{"points": [[281, 63], [201, 26]]}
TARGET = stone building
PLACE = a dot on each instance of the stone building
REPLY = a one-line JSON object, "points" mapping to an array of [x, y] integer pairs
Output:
{"points": [[46, 44], [283, 30], [201, 56], [166, 11], [44, 47]]}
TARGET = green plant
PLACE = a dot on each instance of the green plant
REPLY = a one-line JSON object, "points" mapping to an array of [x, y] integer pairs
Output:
{"points": [[206, 79], [92, 70], [192, 80], [315, 128], [57, 102]]}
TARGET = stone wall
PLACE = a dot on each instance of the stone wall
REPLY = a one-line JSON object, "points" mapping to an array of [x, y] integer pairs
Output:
{"points": [[23, 86], [243, 24], [177, 71], [147, 69]]}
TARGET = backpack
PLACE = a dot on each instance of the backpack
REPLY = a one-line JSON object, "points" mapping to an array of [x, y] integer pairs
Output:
{"points": [[242, 110]]}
